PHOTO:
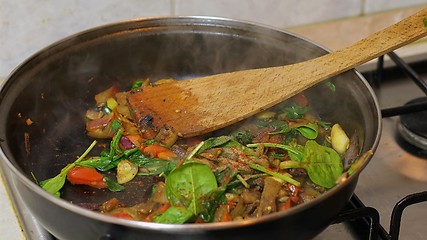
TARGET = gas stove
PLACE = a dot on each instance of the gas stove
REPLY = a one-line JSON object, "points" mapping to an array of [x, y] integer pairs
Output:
{"points": [[391, 196], [390, 199]]}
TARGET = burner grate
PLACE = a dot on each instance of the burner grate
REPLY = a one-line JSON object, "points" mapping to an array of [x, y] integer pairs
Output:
{"points": [[365, 221]]}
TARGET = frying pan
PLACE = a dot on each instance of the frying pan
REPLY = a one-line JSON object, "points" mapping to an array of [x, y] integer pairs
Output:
{"points": [[55, 87]]}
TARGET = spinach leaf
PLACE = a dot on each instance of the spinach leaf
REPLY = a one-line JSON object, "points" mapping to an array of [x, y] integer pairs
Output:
{"points": [[324, 125], [323, 164], [210, 203], [106, 162], [214, 142], [113, 186], [309, 131], [271, 123], [295, 111], [286, 177], [175, 215], [187, 184], [293, 151], [331, 86], [224, 177], [114, 146], [54, 185], [150, 142], [151, 166], [101, 163], [109, 160], [243, 137], [283, 130]]}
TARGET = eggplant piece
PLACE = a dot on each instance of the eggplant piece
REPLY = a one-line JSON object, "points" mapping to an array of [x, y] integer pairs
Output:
{"points": [[269, 195], [352, 152], [167, 136]]}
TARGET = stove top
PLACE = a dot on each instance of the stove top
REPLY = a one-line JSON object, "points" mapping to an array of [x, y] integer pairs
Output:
{"points": [[398, 169], [395, 177]]}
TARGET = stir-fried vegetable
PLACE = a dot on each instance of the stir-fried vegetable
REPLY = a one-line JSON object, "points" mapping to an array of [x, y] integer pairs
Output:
{"points": [[86, 176], [282, 158]]}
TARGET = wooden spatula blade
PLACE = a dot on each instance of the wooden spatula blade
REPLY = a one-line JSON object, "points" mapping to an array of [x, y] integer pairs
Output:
{"points": [[194, 107]]}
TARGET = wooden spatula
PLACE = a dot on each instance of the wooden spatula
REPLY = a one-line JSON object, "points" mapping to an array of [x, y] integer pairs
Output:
{"points": [[201, 105]]}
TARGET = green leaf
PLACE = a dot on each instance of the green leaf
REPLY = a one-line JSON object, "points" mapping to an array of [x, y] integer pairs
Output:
{"points": [[214, 142], [324, 125], [116, 125], [175, 215], [293, 151], [331, 86], [243, 137], [187, 184], [273, 123], [210, 203], [55, 184], [323, 164], [101, 163], [150, 142], [151, 166], [137, 84], [286, 177], [113, 186], [309, 131], [114, 146], [107, 161], [296, 111]]}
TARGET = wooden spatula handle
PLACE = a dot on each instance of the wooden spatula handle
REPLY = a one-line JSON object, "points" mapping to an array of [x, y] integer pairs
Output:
{"points": [[205, 104]]}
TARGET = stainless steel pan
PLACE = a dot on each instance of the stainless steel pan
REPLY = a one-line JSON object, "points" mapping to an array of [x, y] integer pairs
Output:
{"points": [[54, 88]]}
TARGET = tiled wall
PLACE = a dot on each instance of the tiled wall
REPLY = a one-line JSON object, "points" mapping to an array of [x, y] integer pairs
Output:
{"points": [[29, 25]]}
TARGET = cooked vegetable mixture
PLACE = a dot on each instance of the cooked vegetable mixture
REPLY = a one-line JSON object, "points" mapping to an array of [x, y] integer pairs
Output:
{"points": [[278, 159]]}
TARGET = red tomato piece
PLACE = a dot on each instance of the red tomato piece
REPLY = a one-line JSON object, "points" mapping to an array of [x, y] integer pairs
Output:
{"points": [[122, 214], [86, 176], [301, 99]]}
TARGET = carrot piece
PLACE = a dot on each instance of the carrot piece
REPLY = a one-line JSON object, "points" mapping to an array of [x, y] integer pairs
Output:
{"points": [[166, 155], [86, 176], [135, 139], [286, 205], [155, 150], [226, 217], [223, 212]]}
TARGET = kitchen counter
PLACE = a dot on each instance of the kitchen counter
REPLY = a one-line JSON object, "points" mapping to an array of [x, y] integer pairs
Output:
{"points": [[343, 32], [9, 224]]}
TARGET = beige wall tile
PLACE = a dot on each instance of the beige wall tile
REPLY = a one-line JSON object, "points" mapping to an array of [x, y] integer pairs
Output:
{"points": [[27, 26], [382, 5], [341, 33], [277, 13]]}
